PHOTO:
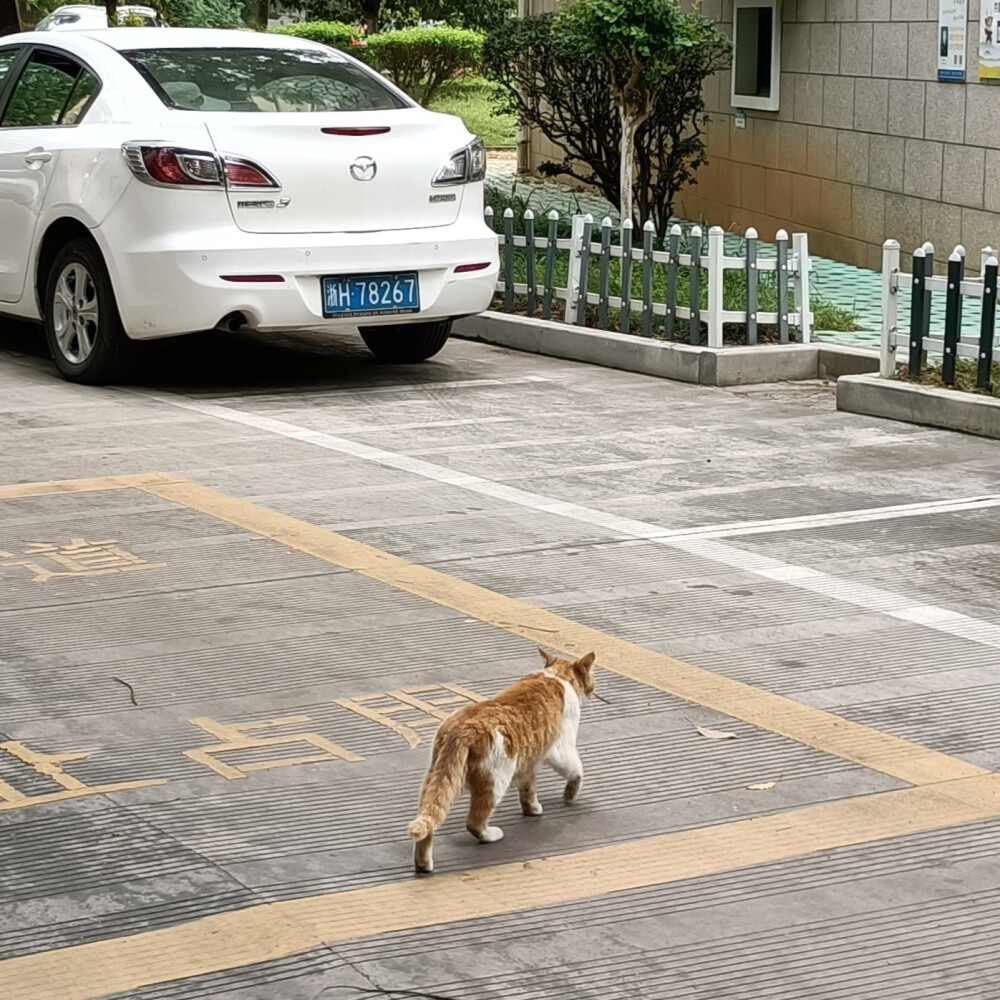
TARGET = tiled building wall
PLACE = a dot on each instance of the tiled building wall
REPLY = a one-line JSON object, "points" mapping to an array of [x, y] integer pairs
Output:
{"points": [[866, 144]]}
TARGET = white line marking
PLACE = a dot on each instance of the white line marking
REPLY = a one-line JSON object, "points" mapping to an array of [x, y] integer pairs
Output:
{"points": [[805, 521], [694, 541]]}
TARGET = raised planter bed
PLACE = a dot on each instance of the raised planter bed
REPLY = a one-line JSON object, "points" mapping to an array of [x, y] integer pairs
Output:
{"points": [[680, 362], [931, 406]]}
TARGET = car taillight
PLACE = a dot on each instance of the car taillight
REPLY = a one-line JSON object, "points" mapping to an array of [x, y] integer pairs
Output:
{"points": [[241, 173], [463, 167], [175, 167], [178, 166]]}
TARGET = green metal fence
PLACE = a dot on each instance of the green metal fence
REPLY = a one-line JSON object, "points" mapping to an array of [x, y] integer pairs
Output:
{"points": [[601, 275], [951, 343]]}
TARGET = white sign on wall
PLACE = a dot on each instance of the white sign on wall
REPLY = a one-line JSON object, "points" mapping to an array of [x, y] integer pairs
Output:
{"points": [[952, 17], [989, 46]]}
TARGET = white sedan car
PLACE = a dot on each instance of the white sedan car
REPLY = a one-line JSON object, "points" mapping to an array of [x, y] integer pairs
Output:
{"points": [[90, 17], [156, 182]]}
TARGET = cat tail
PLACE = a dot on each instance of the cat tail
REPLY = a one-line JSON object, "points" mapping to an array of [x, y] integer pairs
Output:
{"points": [[445, 779]]}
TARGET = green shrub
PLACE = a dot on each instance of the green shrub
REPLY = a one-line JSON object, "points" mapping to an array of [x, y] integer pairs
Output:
{"points": [[332, 33], [422, 61]]}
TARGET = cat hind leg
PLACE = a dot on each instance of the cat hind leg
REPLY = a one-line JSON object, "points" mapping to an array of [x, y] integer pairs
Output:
{"points": [[487, 784]]}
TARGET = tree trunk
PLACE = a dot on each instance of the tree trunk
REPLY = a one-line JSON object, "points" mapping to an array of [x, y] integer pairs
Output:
{"points": [[256, 13], [627, 177], [10, 23], [111, 8], [370, 10]]}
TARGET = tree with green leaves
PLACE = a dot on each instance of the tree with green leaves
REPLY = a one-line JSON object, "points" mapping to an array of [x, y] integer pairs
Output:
{"points": [[557, 85], [641, 42], [476, 15]]}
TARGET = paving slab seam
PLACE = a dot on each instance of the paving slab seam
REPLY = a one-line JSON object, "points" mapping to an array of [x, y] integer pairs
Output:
{"points": [[945, 792], [813, 727], [866, 597], [276, 930]]}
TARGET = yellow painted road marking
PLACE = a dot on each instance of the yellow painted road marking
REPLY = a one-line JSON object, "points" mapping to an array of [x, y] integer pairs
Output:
{"points": [[243, 736], [813, 727], [80, 558], [431, 713], [50, 766], [18, 491], [276, 930], [948, 791]]}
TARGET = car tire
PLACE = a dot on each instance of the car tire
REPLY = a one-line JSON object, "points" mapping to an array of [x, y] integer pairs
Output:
{"points": [[82, 327], [407, 343]]}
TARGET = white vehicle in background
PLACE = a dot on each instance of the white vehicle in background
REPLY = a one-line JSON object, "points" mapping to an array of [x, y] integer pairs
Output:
{"points": [[161, 182], [92, 17]]}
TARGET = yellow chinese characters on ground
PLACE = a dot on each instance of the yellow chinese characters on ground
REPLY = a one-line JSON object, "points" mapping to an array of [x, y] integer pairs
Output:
{"points": [[241, 737], [79, 558], [246, 747], [406, 711], [50, 766]]}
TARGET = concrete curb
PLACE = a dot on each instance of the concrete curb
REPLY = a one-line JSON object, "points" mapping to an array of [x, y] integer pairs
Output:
{"points": [[680, 362], [920, 404]]}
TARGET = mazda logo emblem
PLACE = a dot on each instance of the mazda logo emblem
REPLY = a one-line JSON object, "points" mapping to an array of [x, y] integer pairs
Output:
{"points": [[364, 168]]}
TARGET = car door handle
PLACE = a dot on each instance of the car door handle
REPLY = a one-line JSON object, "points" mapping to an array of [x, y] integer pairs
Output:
{"points": [[37, 156]]}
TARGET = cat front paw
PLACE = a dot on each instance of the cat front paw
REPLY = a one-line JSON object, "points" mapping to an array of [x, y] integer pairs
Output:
{"points": [[572, 788], [532, 808]]}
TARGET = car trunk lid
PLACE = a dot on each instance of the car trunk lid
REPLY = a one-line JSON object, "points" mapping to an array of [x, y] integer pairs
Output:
{"points": [[342, 172]]}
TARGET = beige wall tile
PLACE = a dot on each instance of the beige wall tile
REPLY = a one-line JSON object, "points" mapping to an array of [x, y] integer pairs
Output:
{"points": [[963, 175], [922, 169]]}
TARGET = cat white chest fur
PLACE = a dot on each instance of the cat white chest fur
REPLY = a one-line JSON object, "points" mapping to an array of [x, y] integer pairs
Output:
{"points": [[563, 750]]}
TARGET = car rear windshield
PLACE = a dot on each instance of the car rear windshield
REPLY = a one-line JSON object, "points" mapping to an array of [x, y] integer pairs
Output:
{"points": [[240, 79]]}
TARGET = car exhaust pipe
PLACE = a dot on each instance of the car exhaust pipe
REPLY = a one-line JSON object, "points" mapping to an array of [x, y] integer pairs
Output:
{"points": [[231, 323]]}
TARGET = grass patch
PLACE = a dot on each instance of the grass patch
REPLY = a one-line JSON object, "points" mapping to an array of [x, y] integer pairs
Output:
{"points": [[473, 100], [965, 377], [834, 319]]}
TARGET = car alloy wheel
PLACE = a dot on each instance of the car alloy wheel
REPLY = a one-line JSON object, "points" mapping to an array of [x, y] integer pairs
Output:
{"points": [[75, 313], [82, 325]]}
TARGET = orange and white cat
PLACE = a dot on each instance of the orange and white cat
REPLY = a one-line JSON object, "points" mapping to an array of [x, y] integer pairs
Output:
{"points": [[484, 747]]}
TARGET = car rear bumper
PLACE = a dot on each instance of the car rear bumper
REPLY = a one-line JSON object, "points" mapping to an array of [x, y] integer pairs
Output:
{"points": [[164, 290]]}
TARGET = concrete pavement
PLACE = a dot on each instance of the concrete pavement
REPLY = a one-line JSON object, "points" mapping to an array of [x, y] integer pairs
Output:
{"points": [[238, 597]]}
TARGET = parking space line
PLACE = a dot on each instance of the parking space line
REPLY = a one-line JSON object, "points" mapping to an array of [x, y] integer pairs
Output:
{"points": [[862, 596], [19, 491], [804, 522], [271, 931], [813, 727]]}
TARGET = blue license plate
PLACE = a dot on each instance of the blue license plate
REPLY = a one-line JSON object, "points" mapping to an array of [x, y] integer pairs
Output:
{"points": [[371, 294]]}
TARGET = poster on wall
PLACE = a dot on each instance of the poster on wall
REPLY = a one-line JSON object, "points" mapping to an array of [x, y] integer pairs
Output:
{"points": [[989, 44], [952, 15]]}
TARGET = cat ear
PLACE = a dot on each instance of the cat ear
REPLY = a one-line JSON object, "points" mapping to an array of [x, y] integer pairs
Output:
{"points": [[547, 657], [584, 670]]}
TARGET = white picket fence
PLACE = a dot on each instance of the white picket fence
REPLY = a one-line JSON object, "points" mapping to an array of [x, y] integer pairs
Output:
{"points": [[705, 262]]}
